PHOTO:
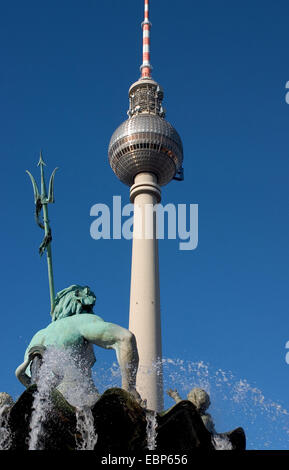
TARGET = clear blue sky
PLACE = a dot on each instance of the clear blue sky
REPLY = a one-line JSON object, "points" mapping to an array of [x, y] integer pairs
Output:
{"points": [[65, 72]]}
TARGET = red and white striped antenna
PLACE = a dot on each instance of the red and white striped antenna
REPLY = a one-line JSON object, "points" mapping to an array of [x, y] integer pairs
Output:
{"points": [[146, 26]]}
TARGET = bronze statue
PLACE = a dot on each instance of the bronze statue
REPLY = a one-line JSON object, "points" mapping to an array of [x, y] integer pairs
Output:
{"points": [[201, 400], [76, 328]]}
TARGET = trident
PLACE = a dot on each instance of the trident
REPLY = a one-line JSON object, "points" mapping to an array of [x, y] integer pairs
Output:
{"points": [[41, 202]]}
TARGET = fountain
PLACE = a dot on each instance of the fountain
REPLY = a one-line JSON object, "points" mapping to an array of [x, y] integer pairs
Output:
{"points": [[233, 400], [64, 411]]}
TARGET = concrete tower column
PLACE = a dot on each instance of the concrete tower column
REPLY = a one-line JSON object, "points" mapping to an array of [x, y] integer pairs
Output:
{"points": [[144, 317], [146, 152]]}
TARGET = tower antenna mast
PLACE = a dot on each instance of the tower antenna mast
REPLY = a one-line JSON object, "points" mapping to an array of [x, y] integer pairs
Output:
{"points": [[146, 26]]}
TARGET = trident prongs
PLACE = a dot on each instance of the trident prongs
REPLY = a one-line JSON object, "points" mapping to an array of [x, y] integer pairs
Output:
{"points": [[43, 195], [41, 201]]}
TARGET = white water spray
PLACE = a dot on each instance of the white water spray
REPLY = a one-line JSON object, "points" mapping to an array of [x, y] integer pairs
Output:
{"points": [[234, 401], [221, 442], [151, 429], [47, 380], [5, 434], [85, 426], [63, 369]]}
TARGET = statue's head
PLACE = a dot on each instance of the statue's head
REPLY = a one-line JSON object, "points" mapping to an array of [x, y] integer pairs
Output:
{"points": [[72, 301], [200, 398]]}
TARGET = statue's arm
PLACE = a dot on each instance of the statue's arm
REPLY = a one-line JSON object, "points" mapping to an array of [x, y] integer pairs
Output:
{"points": [[20, 372], [110, 336], [174, 394], [208, 422]]}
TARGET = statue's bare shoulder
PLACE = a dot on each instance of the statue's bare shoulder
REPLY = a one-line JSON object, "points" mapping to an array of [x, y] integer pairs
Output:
{"points": [[74, 325]]}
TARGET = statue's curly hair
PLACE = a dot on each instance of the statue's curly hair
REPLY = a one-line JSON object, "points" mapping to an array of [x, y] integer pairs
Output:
{"points": [[73, 300]]}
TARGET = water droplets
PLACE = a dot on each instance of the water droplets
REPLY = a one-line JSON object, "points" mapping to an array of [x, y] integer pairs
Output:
{"points": [[221, 442], [85, 427], [63, 370], [151, 429], [5, 434], [234, 402]]}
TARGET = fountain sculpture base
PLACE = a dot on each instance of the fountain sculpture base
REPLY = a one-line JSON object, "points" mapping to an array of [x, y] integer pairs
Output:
{"points": [[120, 423]]}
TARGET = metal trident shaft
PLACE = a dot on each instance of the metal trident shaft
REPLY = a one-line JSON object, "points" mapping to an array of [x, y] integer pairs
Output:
{"points": [[41, 202]]}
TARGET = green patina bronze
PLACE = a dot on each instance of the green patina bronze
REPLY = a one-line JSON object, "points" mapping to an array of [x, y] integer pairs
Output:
{"points": [[74, 327], [41, 202]]}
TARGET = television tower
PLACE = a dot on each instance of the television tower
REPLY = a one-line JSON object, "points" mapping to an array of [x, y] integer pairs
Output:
{"points": [[145, 152]]}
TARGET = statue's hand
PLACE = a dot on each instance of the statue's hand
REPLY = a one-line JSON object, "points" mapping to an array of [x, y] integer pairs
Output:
{"points": [[35, 351], [172, 393], [137, 397]]}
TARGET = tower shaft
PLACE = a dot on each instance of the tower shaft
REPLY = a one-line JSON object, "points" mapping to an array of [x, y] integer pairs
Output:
{"points": [[145, 316], [145, 152]]}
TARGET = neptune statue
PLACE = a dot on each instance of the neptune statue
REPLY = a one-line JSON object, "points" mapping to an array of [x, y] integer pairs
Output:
{"points": [[75, 329]]}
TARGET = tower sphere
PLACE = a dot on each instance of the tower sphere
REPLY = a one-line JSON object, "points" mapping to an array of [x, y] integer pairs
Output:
{"points": [[145, 142]]}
